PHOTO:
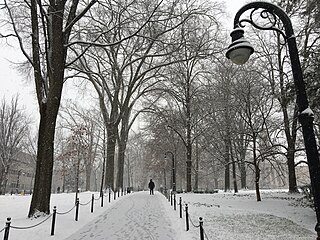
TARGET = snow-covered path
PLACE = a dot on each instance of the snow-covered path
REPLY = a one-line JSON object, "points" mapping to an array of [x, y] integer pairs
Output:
{"points": [[136, 216]]}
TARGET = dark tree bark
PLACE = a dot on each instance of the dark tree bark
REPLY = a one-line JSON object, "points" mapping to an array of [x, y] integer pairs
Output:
{"points": [[49, 88], [234, 173], [112, 132], [227, 167], [291, 135], [242, 146], [188, 137], [122, 145], [196, 168], [256, 167], [48, 106], [291, 149]]}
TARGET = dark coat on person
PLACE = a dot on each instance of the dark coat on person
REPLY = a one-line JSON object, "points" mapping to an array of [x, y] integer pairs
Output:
{"points": [[151, 184]]}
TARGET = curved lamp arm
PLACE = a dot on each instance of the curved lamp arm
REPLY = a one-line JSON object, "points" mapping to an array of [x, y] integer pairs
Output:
{"points": [[274, 16]]}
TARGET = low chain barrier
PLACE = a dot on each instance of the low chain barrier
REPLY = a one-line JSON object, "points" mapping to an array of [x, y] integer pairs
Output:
{"points": [[53, 215], [171, 196]]}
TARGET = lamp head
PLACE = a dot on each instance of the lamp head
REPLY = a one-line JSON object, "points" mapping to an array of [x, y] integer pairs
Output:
{"points": [[240, 49]]}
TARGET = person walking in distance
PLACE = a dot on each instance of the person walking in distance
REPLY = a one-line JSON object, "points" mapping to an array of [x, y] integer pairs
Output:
{"points": [[151, 187]]}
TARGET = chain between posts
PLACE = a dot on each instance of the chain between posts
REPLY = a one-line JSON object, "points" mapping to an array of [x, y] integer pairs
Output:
{"points": [[203, 234], [22, 228], [85, 204], [8, 225], [64, 213]]}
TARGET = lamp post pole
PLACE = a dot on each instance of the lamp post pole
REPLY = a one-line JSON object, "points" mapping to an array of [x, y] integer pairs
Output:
{"points": [[165, 181], [276, 15], [173, 171]]}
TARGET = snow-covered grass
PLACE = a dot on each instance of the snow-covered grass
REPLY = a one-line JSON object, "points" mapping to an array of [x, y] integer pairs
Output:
{"points": [[225, 215], [17, 207], [229, 216]]}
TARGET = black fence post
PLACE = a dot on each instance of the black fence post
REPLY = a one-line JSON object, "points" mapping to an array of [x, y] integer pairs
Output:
{"points": [[77, 209], [187, 218], [7, 229], [92, 202], [174, 202], [114, 195], [109, 195], [118, 192], [102, 200], [201, 228], [171, 198], [53, 220], [180, 203]]}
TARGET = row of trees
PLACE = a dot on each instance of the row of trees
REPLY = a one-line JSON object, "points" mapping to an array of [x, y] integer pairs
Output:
{"points": [[15, 137], [165, 59], [250, 116]]}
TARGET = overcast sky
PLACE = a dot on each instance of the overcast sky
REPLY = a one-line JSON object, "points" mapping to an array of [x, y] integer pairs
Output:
{"points": [[12, 83]]}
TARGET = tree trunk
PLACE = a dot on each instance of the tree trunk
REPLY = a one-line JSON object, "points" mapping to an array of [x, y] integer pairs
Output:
{"points": [[189, 161], [290, 136], [188, 138], [291, 168], [256, 168], [242, 165], [234, 176], [291, 140], [121, 151], [1, 180], [44, 165], [243, 174], [257, 172], [104, 162], [49, 103], [111, 148], [121, 155], [227, 168], [196, 177], [88, 176], [63, 181], [4, 180]]}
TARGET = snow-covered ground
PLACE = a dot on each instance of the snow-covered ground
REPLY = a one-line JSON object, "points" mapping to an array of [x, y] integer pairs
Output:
{"points": [[141, 216]]}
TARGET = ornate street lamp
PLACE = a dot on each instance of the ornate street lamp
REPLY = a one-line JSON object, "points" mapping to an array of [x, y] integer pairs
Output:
{"points": [[239, 52], [240, 49]]}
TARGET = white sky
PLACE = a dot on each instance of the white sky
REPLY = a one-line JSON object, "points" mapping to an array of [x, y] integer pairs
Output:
{"points": [[233, 6], [12, 83]]}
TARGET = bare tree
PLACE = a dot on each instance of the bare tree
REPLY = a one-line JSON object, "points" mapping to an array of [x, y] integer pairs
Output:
{"points": [[256, 110], [280, 78], [123, 73], [184, 81], [85, 128], [43, 30], [222, 108], [14, 129], [108, 67]]}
